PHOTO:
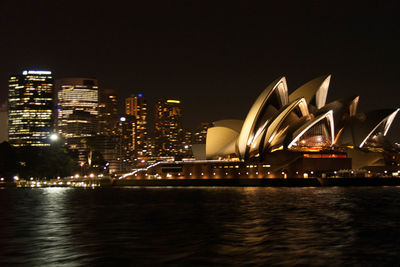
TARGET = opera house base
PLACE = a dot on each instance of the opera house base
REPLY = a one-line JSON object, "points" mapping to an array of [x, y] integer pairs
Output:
{"points": [[278, 169], [280, 164], [261, 182]]}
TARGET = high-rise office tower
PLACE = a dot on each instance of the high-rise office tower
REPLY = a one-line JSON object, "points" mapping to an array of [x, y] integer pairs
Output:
{"points": [[30, 108], [136, 109], [108, 112], [77, 107], [169, 134], [108, 141], [77, 112]]}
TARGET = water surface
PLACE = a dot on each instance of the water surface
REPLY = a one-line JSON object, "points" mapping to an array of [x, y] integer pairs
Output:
{"points": [[200, 226]]}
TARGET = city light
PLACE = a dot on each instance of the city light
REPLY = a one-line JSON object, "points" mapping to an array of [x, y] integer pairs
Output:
{"points": [[174, 101], [54, 137], [30, 109], [130, 151], [37, 72]]}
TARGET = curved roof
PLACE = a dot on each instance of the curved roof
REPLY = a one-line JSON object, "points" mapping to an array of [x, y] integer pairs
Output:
{"points": [[361, 127], [308, 125], [316, 89], [258, 140], [259, 108], [235, 125], [220, 141], [389, 116], [343, 109], [347, 104], [277, 128]]}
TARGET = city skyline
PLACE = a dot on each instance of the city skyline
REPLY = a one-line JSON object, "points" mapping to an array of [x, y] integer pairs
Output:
{"points": [[289, 125], [208, 53], [78, 115], [199, 133]]}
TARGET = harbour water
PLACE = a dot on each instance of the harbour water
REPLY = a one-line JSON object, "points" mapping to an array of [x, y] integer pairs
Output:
{"points": [[200, 226]]}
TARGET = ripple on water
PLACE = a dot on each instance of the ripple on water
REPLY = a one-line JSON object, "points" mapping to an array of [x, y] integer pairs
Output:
{"points": [[200, 226]]}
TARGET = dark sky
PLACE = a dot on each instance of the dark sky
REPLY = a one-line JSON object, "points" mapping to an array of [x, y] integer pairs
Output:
{"points": [[216, 56]]}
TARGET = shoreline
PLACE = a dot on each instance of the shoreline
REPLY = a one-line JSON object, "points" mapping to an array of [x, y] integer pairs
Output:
{"points": [[232, 182], [263, 182]]}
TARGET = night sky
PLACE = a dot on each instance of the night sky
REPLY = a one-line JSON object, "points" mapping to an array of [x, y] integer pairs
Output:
{"points": [[215, 56]]}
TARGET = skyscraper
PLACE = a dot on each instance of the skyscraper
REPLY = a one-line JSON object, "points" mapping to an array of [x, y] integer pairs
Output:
{"points": [[108, 111], [108, 141], [168, 128], [77, 107], [136, 109], [77, 112], [30, 108], [186, 148]]}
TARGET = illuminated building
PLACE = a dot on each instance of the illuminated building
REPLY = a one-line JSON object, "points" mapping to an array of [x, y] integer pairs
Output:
{"points": [[297, 135], [300, 127], [199, 141], [108, 112], [77, 113], [168, 128], [186, 148], [30, 108], [136, 111], [125, 154], [108, 139], [77, 107], [200, 134]]}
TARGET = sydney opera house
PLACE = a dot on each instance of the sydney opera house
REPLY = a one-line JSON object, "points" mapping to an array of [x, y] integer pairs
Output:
{"points": [[293, 134]]}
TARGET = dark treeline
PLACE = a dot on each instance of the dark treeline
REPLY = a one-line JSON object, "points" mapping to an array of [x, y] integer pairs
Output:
{"points": [[37, 162]]}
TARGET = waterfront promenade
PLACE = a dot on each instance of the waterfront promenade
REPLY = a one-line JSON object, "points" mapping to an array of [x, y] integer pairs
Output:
{"points": [[239, 182]]}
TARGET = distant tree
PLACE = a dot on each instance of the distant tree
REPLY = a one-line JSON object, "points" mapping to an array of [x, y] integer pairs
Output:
{"points": [[46, 162], [8, 161]]}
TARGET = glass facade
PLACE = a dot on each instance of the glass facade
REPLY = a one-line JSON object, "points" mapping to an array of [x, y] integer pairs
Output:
{"points": [[169, 134], [30, 108], [77, 114], [136, 108], [108, 112], [77, 109]]}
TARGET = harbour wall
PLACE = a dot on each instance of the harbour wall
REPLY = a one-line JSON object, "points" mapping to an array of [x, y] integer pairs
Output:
{"points": [[277, 182]]}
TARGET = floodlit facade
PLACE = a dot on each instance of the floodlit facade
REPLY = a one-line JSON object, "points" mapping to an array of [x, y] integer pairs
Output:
{"points": [[77, 113], [108, 112], [169, 134], [136, 108], [77, 107], [301, 123], [30, 108]]}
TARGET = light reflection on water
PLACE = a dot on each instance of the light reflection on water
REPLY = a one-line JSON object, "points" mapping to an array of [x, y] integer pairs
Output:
{"points": [[200, 226]]}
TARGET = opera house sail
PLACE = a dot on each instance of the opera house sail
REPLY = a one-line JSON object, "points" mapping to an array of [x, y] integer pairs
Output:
{"points": [[298, 134], [282, 128]]}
